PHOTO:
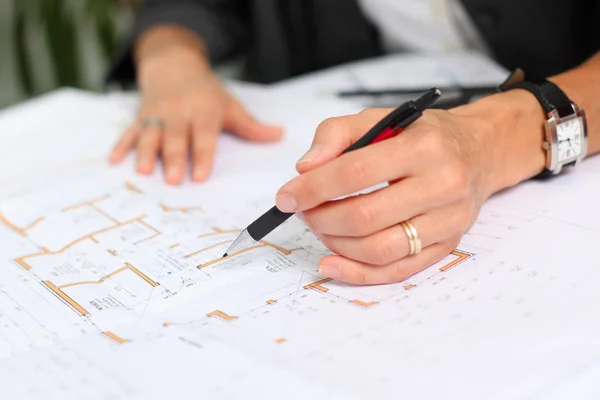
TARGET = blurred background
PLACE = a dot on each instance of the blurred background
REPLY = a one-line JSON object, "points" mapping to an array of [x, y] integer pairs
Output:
{"points": [[45, 44]]}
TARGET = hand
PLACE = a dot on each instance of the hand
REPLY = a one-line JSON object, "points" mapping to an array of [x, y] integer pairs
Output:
{"points": [[440, 171], [194, 107]]}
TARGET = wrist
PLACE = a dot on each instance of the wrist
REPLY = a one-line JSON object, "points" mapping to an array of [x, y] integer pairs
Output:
{"points": [[514, 136], [163, 51]]}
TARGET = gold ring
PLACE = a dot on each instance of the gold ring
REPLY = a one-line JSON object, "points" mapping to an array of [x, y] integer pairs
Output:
{"points": [[414, 243]]}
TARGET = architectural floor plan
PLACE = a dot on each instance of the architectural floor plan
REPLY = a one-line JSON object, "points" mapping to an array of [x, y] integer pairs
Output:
{"points": [[101, 274]]}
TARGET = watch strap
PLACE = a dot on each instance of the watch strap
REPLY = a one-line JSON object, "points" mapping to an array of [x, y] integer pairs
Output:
{"points": [[549, 95]]}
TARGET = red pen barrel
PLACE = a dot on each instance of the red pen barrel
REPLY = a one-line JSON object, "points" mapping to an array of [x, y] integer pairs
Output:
{"points": [[386, 134]]}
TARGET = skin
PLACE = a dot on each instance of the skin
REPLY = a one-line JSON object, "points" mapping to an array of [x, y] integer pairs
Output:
{"points": [[439, 171], [177, 86]]}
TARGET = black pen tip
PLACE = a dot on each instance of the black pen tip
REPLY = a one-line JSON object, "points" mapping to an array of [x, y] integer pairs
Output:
{"points": [[225, 255]]}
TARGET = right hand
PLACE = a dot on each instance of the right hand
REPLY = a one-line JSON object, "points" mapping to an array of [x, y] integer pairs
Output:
{"points": [[179, 89]]}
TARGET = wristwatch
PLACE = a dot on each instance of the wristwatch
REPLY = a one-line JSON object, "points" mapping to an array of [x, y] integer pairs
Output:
{"points": [[566, 137]]}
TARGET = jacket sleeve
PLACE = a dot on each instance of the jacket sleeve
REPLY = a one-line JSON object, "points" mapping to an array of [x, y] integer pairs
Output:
{"points": [[220, 23]]}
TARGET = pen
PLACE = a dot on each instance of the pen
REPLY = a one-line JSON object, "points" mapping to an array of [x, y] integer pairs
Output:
{"points": [[454, 96], [393, 124], [451, 90]]}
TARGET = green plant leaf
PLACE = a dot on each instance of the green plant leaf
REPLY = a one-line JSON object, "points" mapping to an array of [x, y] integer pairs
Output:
{"points": [[20, 48], [62, 42]]}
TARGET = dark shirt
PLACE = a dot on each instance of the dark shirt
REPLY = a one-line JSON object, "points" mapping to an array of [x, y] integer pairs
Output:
{"points": [[280, 39]]}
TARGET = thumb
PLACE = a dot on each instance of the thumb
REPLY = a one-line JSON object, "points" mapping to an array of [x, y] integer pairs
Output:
{"points": [[239, 122], [334, 135]]}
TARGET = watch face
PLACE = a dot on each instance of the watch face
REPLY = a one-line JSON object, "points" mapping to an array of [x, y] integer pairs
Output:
{"points": [[570, 136]]}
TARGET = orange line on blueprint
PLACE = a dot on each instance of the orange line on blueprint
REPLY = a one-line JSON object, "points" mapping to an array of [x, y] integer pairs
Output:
{"points": [[207, 248], [175, 245], [11, 225], [104, 278], [408, 287], [114, 337], [22, 263], [95, 207], [133, 188], [218, 260], [66, 298], [184, 210], [221, 314], [91, 235], [461, 257], [218, 232], [21, 260], [363, 304], [20, 231], [86, 203], [148, 238], [34, 223], [281, 249], [317, 285], [156, 232]]}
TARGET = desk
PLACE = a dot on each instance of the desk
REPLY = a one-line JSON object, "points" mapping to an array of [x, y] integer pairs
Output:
{"points": [[510, 314]]}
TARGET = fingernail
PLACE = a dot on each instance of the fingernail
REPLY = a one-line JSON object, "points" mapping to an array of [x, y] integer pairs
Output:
{"points": [[173, 174], [330, 271], [311, 154], [286, 202], [300, 216], [144, 167], [198, 173]]}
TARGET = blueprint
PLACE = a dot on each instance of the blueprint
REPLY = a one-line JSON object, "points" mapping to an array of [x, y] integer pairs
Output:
{"points": [[106, 284], [113, 285]]}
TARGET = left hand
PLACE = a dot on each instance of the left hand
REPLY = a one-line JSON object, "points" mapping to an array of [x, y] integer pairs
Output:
{"points": [[439, 172]]}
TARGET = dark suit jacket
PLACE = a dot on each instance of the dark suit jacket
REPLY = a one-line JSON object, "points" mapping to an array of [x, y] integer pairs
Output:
{"points": [[284, 38]]}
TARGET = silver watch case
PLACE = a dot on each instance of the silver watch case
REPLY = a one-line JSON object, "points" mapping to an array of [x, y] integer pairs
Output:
{"points": [[551, 143]]}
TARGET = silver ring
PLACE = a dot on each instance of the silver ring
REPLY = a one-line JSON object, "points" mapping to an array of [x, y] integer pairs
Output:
{"points": [[153, 121]]}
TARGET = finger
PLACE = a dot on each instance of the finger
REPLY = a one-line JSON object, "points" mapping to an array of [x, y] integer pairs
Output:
{"points": [[205, 132], [241, 123], [175, 150], [392, 244], [358, 273], [124, 144], [334, 135], [353, 172], [422, 149], [147, 149], [366, 214]]}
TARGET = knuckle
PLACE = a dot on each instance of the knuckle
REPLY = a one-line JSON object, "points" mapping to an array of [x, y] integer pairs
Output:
{"points": [[365, 216], [330, 126], [384, 252], [357, 170], [458, 180], [433, 143]]}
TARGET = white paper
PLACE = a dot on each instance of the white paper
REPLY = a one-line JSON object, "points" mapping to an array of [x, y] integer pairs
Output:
{"points": [[111, 284]]}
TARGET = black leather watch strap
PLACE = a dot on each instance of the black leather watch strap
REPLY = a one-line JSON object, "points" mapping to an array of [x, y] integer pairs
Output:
{"points": [[549, 95]]}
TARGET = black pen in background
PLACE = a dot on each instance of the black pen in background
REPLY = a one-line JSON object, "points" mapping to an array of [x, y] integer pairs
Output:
{"points": [[451, 97]]}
